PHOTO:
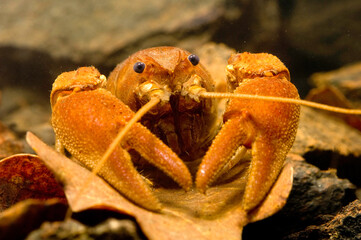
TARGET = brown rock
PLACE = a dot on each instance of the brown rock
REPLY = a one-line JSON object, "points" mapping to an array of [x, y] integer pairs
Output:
{"points": [[315, 195], [347, 79], [328, 142], [318, 131], [345, 225], [50, 38], [88, 32]]}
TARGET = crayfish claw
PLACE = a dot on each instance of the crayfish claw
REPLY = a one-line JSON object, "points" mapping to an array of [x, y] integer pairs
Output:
{"points": [[267, 128], [119, 171], [267, 162], [235, 132]]}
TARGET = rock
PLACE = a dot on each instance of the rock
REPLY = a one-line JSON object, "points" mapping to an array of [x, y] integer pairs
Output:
{"points": [[71, 229], [215, 59], [315, 194], [89, 32], [345, 225], [64, 36], [53, 37], [347, 79], [328, 142], [325, 32], [24, 110], [318, 131]]}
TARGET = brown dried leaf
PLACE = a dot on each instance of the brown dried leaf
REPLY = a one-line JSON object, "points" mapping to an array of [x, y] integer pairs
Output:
{"points": [[191, 215], [25, 176]]}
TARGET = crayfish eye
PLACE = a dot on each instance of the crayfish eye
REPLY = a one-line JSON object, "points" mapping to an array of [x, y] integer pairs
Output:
{"points": [[194, 59], [139, 67]]}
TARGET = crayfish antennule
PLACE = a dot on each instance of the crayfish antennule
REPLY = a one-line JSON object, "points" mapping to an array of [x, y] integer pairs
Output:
{"points": [[195, 92], [103, 80], [103, 77]]}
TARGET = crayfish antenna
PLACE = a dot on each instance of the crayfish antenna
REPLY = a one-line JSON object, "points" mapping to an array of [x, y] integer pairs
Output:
{"points": [[281, 99]]}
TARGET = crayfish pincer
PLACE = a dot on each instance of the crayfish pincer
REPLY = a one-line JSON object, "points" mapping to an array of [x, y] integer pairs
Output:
{"points": [[86, 118], [268, 128]]}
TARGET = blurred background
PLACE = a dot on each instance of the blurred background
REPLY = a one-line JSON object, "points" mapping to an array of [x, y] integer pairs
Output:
{"points": [[318, 40], [41, 38]]}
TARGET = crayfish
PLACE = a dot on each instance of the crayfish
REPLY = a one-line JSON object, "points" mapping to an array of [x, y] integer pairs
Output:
{"points": [[181, 120]]}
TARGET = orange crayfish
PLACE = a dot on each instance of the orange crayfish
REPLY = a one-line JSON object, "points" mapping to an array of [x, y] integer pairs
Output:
{"points": [[88, 111]]}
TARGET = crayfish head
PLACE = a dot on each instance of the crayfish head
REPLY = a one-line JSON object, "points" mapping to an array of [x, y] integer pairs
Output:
{"points": [[83, 79], [176, 77], [248, 66]]}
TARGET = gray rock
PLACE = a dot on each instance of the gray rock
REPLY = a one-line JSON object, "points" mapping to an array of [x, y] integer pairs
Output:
{"points": [[316, 197], [71, 229], [89, 32], [51, 37], [25, 110]]}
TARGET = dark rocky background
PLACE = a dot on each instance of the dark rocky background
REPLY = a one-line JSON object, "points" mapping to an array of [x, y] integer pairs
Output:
{"points": [[39, 39]]}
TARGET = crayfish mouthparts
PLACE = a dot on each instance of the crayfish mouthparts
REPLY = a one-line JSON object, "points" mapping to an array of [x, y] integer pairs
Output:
{"points": [[150, 89]]}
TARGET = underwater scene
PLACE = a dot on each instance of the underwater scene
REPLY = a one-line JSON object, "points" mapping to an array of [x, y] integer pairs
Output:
{"points": [[209, 119]]}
